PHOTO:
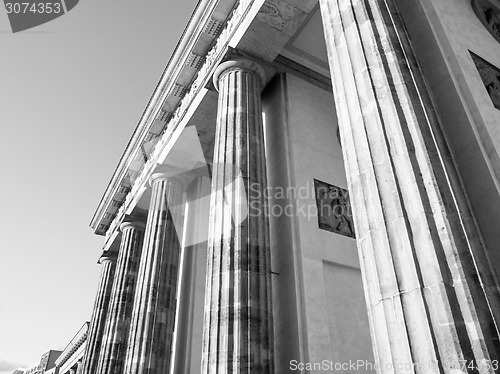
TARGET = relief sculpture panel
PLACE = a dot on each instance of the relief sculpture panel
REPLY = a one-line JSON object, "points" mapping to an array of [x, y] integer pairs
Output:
{"points": [[334, 209]]}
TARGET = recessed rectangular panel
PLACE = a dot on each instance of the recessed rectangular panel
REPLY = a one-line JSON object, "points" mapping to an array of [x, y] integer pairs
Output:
{"points": [[348, 320]]}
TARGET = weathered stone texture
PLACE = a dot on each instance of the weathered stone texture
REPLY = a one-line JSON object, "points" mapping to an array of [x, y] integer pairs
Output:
{"points": [[238, 333], [99, 314], [422, 263], [150, 339], [122, 297]]}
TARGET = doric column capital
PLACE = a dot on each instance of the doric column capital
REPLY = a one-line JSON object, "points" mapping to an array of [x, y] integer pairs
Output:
{"points": [[135, 224], [108, 256], [239, 64], [180, 179]]}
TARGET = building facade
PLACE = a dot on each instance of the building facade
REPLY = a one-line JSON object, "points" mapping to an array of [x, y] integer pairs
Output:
{"points": [[312, 187], [71, 358], [47, 363]]}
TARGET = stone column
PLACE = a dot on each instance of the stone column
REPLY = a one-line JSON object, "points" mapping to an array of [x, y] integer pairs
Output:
{"points": [[79, 367], [238, 335], [114, 342], [423, 266], [150, 339], [97, 324]]}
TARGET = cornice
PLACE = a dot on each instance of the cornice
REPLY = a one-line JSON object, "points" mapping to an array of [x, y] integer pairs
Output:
{"points": [[73, 345], [206, 23], [232, 12], [213, 58]]}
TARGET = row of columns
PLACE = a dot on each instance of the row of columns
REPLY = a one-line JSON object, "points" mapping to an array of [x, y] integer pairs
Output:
{"points": [[99, 314], [429, 292], [120, 306], [132, 327], [152, 327], [76, 369]]}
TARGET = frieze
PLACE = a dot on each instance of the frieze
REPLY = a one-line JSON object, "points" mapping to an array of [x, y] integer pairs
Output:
{"points": [[490, 75], [163, 115], [334, 209], [195, 61], [276, 14]]}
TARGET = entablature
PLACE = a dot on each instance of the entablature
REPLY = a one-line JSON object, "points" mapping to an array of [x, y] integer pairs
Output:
{"points": [[163, 109], [186, 84], [75, 343]]}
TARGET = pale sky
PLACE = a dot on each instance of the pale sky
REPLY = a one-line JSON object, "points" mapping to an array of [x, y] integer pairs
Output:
{"points": [[72, 91]]}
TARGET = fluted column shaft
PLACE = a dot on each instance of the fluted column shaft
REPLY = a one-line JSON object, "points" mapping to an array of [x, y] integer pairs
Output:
{"points": [[423, 266], [238, 316], [150, 339], [114, 342], [97, 324]]}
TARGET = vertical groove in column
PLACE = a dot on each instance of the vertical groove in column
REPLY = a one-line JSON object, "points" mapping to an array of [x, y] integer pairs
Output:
{"points": [[114, 344], [420, 257], [150, 339], [238, 334], [97, 324]]}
